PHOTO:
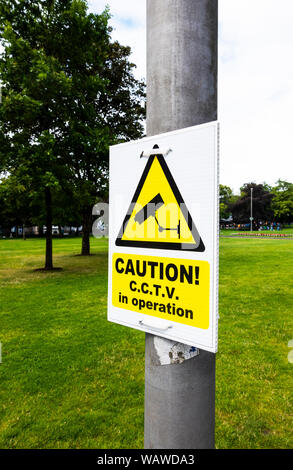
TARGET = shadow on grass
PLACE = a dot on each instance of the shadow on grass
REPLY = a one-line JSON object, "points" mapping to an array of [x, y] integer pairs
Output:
{"points": [[47, 270], [87, 256]]}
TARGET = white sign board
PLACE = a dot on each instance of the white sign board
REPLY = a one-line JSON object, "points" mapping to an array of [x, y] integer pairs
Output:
{"points": [[163, 235]]}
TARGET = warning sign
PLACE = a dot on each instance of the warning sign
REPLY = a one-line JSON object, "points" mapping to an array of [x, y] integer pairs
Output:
{"points": [[158, 216], [169, 288], [163, 235]]}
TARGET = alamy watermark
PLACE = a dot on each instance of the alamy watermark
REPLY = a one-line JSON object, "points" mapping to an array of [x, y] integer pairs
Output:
{"points": [[154, 221]]}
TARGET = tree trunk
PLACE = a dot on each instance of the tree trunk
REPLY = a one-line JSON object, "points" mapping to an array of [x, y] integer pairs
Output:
{"points": [[86, 230], [48, 202], [23, 231]]}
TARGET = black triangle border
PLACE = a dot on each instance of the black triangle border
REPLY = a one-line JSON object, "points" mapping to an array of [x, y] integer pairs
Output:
{"points": [[177, 194]]}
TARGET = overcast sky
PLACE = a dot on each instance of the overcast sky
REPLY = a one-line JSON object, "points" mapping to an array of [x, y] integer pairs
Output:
{"points": [[255, 82]]}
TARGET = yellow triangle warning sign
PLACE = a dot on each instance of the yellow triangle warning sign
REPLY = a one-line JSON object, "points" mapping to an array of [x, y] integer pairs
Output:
{"points": [[157, 216]]}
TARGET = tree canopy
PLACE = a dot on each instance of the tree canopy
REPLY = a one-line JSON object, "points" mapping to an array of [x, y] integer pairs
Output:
{"points": [[226, 198], [68, 93], [282, 202], [261, 200]]}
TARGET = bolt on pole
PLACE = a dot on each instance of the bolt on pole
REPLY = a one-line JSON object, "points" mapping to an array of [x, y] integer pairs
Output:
{"points": [[182, 50]]}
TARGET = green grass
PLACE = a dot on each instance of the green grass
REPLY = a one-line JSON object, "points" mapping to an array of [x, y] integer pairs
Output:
{"points": [[70, 379], [254, 378]]}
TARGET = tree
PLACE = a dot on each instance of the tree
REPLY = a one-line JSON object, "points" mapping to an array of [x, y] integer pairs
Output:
{"points": [[59, 113], [15, 204], [100, 119], [226, 195], [262, 208], [282, 202], [35, 90], [20, 208]]}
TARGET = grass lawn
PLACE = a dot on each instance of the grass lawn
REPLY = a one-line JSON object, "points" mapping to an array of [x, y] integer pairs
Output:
{"points": [[70, 379]]}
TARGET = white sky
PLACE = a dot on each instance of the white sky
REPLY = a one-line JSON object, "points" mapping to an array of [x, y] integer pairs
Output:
{"points": [[255, 82]]}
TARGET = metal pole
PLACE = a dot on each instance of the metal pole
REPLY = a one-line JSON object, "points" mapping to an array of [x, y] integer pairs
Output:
{"points": [[251, 216], [182, 40]]}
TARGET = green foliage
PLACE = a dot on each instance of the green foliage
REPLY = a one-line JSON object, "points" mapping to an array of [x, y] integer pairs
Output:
{"points": [[226, 195], [20, 206], [16, 203], [282, 202], [68, 93]]}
